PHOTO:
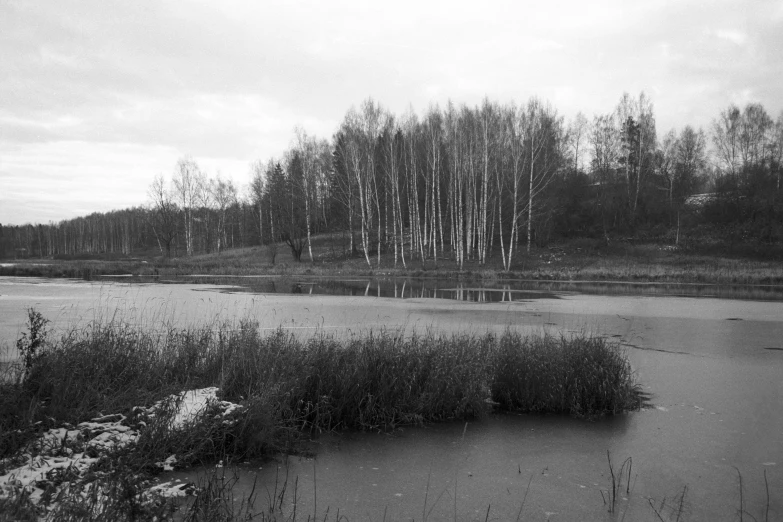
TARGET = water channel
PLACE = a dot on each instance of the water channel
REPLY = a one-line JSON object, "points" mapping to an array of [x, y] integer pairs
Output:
{"points": [[711, 358]]}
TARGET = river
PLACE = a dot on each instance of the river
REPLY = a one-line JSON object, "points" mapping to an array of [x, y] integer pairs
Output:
{"points": [[713, 366]]}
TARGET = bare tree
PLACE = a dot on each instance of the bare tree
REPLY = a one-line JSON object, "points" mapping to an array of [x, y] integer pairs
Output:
{"points": [[221, 194], [372, 121], [433, 129], [577, 136], [682, 164], [361, 131], [354, 153], [691, 160], [488, 128], [392, 157], [638, 145], [776, 150], [164, 214], [257, 196], [726, 138], [411, 132], [755, 125], [188, 181], [668, 162], [605, 144], [543, 130], [307, 148], [341, 181], [455, 138], [513, 145]]}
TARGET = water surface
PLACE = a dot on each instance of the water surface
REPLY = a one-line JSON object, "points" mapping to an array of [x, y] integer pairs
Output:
{"points": [[486, 291], [714, 368]]}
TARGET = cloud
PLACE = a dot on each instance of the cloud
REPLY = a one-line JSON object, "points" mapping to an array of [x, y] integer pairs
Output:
{"points": [[71, 178], [93, 93], [732, 35]]}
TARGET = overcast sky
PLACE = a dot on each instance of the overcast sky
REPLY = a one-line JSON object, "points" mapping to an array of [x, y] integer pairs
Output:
{"points": [[98, 97]]}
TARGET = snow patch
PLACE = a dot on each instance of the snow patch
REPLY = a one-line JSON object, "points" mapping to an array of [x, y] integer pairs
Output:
{"points": [[169, 490], [168, 464], [192, 403], [61, 457]]}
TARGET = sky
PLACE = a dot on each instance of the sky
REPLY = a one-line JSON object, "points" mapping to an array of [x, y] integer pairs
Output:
{"points": [[98, 97]]}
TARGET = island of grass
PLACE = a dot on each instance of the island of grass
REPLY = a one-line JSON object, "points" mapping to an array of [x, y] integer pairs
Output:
{"points": [[260, 393]]}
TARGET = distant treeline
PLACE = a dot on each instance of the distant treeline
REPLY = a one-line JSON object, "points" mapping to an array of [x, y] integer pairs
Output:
{"points": [[461, 182]]}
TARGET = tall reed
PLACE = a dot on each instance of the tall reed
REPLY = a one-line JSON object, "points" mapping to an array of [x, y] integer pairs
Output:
{"points": [[377, 380]]}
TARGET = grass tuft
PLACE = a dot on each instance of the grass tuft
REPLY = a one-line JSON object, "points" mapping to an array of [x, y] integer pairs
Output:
{"points": [[281, 387], [580, 375], [368, 382]]}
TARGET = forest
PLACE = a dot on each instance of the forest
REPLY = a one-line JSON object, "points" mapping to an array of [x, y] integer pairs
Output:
{"points": [[459, 182]]}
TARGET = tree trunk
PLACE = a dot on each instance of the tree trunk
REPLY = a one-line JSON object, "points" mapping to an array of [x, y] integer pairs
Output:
{"points": [[530, 198], [307, 221]]}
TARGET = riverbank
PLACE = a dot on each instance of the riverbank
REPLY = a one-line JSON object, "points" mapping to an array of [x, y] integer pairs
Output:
{"points": [[110, 397], [574, 261]]}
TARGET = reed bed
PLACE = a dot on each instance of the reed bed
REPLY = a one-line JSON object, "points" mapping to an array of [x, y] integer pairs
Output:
{"points": [[377, 380], [285, 386]]}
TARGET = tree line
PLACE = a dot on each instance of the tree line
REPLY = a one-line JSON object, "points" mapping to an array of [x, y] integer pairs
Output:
{"points": [[459, 182]]}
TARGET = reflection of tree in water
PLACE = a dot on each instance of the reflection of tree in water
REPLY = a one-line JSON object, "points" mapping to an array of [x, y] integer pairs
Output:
{"points": [[482, 293], [412, 289]]}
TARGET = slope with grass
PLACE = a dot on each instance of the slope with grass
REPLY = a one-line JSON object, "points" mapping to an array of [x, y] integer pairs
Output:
{"points": [[573, 261]]}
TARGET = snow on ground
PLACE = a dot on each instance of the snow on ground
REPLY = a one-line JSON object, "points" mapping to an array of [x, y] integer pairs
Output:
{"points": [[169, 489], [193, 402], [62, 456], [41, 471], [68, 452]]}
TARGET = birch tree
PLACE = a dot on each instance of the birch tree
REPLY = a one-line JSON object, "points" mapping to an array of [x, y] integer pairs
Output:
{"points": [[222, 194], [433, 129], [488, 127], [188, 182], [392, 154], [411, 132], [509, 179], [543, 129], [307, 149], [638, 140], [256, 189], [668, 163], [341, 182], [371, 120], [354, 152]]}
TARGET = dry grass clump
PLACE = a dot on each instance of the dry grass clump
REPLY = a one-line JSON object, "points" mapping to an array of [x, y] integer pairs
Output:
{"points": [[376, 380], [283, 386], [581, 376], [286, 387]]}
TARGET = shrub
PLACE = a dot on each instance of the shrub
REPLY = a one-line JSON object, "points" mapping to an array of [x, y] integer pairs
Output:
{"points": [[30, 345]]}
